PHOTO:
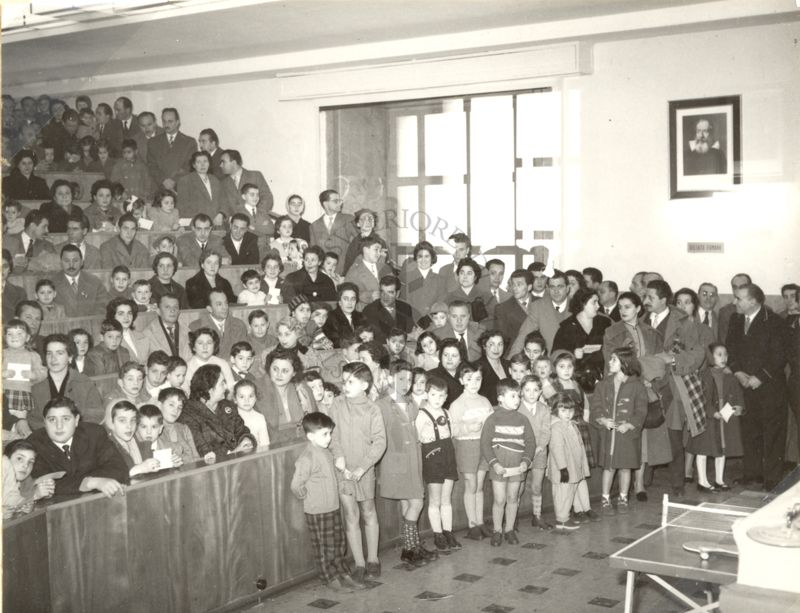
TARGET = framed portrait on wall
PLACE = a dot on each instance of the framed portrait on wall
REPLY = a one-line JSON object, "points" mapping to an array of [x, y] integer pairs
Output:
{"points": [[704, 146]]}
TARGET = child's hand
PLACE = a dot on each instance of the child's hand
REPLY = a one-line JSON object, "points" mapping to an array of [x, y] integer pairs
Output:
{"points": [[357, 474], [717, 415], [177, 460], [498, 469], [44, 489], [523, 466], [109, 487], [150, 465], [624, 427], [340, 464], [152, 308], [210, 457], [564, 475], [20, 413], [538, 450], [738, 410], [348, 474], [607, 423], [301, 492], [22, 428]]}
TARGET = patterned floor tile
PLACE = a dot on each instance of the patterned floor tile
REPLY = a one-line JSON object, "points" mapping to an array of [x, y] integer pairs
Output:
{"points": [[534, 546], [467, 578], [567, 572], [534, 589], [426, 595], [502, 561], [624, 540], [594, 555], [497, 608]]}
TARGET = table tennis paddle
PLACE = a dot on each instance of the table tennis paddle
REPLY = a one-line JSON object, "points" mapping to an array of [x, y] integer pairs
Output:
{"points": [[705, 549]]}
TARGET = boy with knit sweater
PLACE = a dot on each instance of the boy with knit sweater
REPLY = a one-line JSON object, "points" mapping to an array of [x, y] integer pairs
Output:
{"points": [[507, 444], [314, 482]]}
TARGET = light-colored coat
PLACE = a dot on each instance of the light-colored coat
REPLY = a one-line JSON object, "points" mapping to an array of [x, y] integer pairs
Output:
{"points": [[420, 293], [114, 253], [338, 239], [542, 316], [156, 339], [193, 197], [566, 451], [90, 299]]}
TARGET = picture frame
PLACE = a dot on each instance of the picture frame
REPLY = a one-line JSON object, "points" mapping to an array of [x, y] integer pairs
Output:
{"points": [[704, 146]]}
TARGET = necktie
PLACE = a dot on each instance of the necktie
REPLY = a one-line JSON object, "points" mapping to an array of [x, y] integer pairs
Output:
{"points": [[496, 295], [171, 139], [524, 304], [706, 319], [463, 345], [29, 250], [328, 222], [202, 246], [222, 329], [252, 211], [74, 286], [102, 127], [747, 321], [171, 334], [65, 449]]}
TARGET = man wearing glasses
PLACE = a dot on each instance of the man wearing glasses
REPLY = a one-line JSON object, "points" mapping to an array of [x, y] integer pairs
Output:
{"points": [[334, 230]]}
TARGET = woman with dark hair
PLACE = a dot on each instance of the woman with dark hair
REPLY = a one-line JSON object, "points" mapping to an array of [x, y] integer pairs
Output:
{"points": [[450, 358], [619, 408], [575, 282], [22, 184], [207, 280], [582, 335], [282, 397], [60, 209], [200, 191], [635, 334], [344, 319], [89, 161], [468, 273], [215, 424], [124, 310], [420, 286], [204, 344], [492, 364], [165, 265]]}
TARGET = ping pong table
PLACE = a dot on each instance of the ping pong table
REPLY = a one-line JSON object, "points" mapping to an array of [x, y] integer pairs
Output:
{"points": [[661, 554]]}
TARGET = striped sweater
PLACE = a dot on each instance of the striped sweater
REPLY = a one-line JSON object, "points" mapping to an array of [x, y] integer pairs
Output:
{"points": [[509, 430]]}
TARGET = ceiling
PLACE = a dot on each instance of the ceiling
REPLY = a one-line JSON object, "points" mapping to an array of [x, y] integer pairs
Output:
{"points": [[272, 27]]}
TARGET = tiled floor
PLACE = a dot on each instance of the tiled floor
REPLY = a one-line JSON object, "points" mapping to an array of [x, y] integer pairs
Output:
{"points": [[547, 571]]}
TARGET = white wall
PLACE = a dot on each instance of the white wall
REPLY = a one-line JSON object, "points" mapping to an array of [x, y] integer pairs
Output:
{"points": [[617, 212], [617, 209]]}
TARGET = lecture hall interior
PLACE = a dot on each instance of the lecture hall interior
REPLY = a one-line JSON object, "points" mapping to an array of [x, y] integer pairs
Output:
{"points": [[374, 306]]}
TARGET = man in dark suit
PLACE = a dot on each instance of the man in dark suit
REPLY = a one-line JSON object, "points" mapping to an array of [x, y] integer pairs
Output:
{"points": [[334, 230], [756, 342], [148, 129], [124, 125], [509, 315], [344, 319], [729, 310], [168, 154], [82, 450], [608, 292], [387, 312], [209, 142], [12, 294], [77, 229], [31, 242], [241, 245], [192, 244], [546, 314], [218, 317], [708, 296], [79, 291], [460, 327], [236, 177]]}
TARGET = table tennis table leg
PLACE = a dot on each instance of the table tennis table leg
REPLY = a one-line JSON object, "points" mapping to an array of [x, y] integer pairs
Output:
{"points": [[630, 584]]}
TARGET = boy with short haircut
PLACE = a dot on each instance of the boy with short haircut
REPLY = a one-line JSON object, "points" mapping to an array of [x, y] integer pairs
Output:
{"points": [[175, 435], [108, 356], [519, 367], [508, 445], [314, 482], [245, 396], [242, 358], [148, 434], [259, 337], [131, 172], [260, 223], [252, 295], [45, 295], [120, 283], [314, 328], [130, 387], [329, 264], [13, 222], [124, 419], [329, 392], [396, 348], [156, 374], [365, 333]]}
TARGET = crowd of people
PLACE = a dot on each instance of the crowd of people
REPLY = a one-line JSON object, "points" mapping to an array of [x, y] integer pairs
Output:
{"points": [[401, 378]]}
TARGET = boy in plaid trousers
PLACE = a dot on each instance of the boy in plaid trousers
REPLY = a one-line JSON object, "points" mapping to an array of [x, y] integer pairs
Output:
{"points": [[314, 482]]}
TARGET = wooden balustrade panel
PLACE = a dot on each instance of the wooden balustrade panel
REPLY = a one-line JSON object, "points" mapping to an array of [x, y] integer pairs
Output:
{"points": [[83, 179], [26, 570]]}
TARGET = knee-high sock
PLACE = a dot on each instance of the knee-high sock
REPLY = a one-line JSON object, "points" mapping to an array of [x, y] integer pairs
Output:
{"points": [[414, 530], [435, 518], [537, 505], [447, 516]]}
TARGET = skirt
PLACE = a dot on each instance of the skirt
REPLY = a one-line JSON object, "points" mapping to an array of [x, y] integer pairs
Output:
{"points": [[439, 461], [719, 439], [17, 400], [468, 456], [507, 459], [586, 435]]}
